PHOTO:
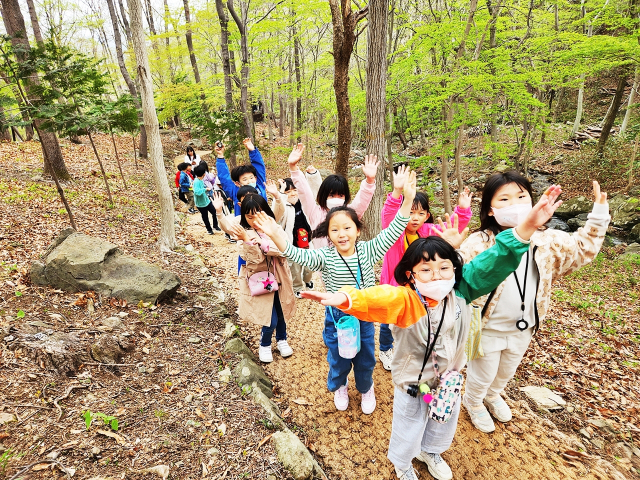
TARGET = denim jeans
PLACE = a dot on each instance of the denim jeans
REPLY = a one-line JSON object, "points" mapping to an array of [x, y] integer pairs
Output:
{"points": [[363, 363], [277, 323], [386, 337]]}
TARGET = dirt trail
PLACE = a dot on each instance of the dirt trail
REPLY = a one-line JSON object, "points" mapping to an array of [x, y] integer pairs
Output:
{"points": [[351, 445]]}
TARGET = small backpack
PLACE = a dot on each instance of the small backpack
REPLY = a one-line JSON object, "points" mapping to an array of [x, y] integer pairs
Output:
{"points": [[302, 238]]}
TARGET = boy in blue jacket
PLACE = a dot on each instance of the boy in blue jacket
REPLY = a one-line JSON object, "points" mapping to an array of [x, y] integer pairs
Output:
{"points": [[186, 182], [254, 175]]}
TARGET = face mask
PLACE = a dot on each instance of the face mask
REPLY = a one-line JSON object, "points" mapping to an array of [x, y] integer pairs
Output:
{"points": [[436, 289], [512, 215], [252, 184], [334, 202]]}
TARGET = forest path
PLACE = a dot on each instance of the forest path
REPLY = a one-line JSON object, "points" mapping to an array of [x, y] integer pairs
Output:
{"points": [[351, 445]]}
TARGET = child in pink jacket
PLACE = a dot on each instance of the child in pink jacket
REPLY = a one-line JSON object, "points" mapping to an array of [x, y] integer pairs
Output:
{"points": [[333, 192], [421, 225]]}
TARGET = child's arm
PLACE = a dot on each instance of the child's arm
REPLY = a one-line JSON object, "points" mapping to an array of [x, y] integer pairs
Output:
{"points": [[223, 172], [311, 209], [573, 251], [255, 157], [185, 182], [314, 179], [314, 259], [378, 246], [394, 199], [278, 206], [225, 221], [199, 188], [367, 187], [383, 303]]}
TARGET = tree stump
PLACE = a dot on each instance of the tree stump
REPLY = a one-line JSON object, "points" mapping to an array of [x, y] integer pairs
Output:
{"points": [[65, 352]]}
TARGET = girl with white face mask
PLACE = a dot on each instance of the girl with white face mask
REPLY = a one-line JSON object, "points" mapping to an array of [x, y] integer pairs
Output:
{"points": [[512, 312], [332, 192], [430, 316]]}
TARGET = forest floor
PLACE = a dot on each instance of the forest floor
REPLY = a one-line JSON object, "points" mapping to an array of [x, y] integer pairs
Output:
{"points": [[178, 414]]}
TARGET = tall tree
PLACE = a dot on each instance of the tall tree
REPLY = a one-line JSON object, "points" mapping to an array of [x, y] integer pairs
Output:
{"points": [[14, 24], [607, 124], [241, 23], [34, 22], [226, 64], [125, 74], [376, 104], [192, 55], [167, 237], [344, 21]]}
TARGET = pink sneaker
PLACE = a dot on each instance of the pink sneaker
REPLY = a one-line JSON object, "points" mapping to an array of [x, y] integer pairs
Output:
{"points": [[341, 398], [368, 403]]}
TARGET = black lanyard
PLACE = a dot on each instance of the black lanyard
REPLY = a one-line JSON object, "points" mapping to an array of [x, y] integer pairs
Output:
{"points": [[522, 324], [431, 346], [349, 268]]}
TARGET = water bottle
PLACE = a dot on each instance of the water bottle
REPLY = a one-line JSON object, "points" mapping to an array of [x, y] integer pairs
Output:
{"points": [[348, 328]]}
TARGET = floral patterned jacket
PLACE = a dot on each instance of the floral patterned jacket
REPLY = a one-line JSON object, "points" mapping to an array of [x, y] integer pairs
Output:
{"points": [[556, 253]]}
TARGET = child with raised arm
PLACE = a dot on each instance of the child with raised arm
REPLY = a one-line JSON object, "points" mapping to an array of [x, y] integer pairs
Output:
{"points": [[514, 310], [333, 191], [431, 314], [346, 262], [274, 308], [254, 174], [421, 225]]}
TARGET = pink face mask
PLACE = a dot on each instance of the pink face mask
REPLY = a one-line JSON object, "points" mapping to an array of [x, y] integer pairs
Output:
{"points": [[513, 215]]}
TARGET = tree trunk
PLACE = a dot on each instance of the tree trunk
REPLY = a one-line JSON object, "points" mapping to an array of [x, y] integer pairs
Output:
{"points": [[192, 55], [168, 40], [5, 133], [167, 237], [15, 27], [282, 116], [125, 74], [447, 116], [115, 149], [241, 23], [104, 174], [632, 98], [296, 66], [226, 66], [344, 22], [125, 22], [613, 112], [376, 106], [34, 22], [579, 108]]}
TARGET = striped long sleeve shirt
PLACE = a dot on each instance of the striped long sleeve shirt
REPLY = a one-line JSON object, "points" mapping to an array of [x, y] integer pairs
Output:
{"points": [[337, 273]]}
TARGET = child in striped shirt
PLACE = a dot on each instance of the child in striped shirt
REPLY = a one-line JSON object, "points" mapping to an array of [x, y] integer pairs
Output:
{"points": [[346, 262]]}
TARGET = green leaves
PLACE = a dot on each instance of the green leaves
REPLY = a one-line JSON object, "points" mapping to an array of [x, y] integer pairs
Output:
{"points": [[109, 420]]}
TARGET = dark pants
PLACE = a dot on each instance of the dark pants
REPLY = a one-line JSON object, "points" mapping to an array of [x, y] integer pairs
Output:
{"points": [[204, 211], [277, 323], [363, 363], [386, 338]]}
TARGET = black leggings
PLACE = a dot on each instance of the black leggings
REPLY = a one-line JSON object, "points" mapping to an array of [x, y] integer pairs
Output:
{"points": [[204, 211]]}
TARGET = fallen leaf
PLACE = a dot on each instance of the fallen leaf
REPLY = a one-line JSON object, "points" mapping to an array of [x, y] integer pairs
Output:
{"points": [[301, 401], [161, 470], [222, 429], [286, 413], [575, 453], [113, 435], [146, 335], [41, 466], [199, 413], [264, 440]]}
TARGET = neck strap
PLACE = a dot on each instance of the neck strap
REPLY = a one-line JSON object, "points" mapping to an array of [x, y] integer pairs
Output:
{"points": [[357, 279], [432, 345]]}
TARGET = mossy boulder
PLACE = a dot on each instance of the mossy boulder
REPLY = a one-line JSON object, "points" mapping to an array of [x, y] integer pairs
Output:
{"points": [[625, 211], [574, 207]]}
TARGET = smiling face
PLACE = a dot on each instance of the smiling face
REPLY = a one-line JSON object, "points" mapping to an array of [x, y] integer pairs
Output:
{"points": [[510, 194], [343, 233], [431, 270], [418, 216], [246, 179]]}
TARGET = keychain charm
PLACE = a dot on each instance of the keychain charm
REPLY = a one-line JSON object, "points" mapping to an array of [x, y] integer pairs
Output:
{"points": [[522, 324]]}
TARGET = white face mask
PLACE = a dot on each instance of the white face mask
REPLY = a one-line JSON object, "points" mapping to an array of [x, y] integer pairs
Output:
{"points": [[334, 202], [513, 215], [293, 199], [436, 289]]}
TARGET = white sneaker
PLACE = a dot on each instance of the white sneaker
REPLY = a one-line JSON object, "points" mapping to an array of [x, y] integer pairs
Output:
{"points": [[386, 358], [479, 416], [368, 402], [265, 355], [409, 474], [436, 465], [341, 398], [498, 408], [284, 348]]}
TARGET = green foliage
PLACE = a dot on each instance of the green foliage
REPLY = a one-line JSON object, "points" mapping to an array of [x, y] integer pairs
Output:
{"points": [[109, 420]]}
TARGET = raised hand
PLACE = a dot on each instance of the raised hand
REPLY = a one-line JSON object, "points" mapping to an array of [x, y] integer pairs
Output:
{"points": [[541, 212], [311, 169], [249, 144], [238, 232], [464, 199], [327, 299], [399, 179], [600, 197], [450, 231], [265, 223], [295, 156], [370, 168], [272, 188], [218, 201], [410, 186], [219, 150]]}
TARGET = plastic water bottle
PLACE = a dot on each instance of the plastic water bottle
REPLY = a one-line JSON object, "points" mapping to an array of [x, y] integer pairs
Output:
{"points": [[348, 328]]}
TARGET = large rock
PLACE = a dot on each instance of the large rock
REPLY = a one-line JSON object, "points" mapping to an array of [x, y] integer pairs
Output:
{"points": [[557, 224], [634, 236], [544, 398], [625, 211], [633, 249], [249, 373], [574, 207], [577, 222], [79, 262], [293, 455]]}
